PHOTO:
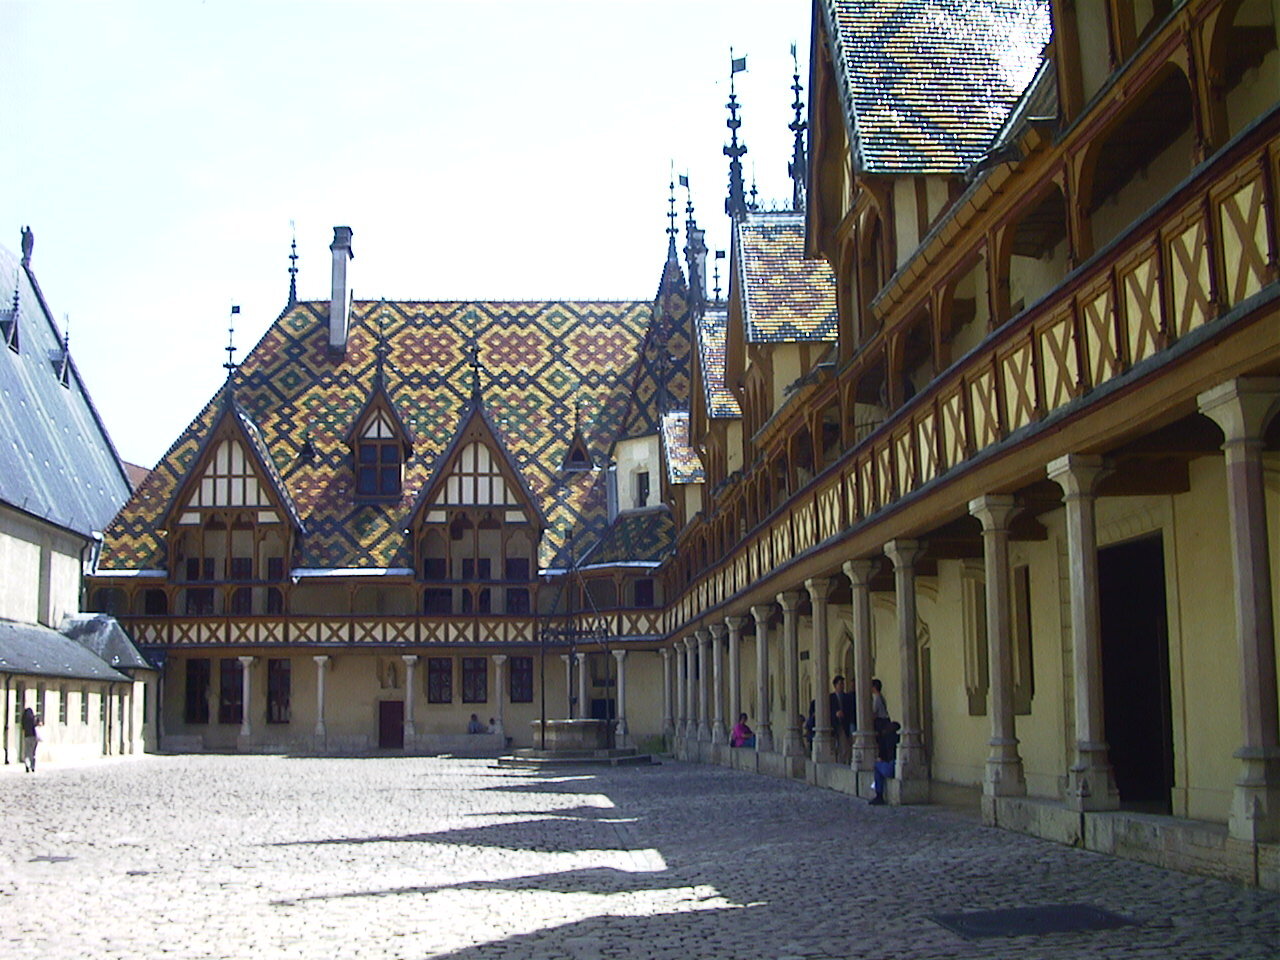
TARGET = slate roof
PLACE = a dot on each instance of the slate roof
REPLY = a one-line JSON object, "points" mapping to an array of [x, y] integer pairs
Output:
{"points": [[926, 84], [57, 461], [103, 636], [683, 463], [638, 535], [711, 328], [32, 649], [785, 298], [537, 358]]}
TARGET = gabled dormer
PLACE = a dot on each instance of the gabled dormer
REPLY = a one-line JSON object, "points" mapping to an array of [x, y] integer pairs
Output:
{"points": [[380, 443], [476, 526], [231, 523]]}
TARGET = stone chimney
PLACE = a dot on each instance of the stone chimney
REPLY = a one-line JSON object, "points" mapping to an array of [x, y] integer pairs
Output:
{"points": [[339, 302]]}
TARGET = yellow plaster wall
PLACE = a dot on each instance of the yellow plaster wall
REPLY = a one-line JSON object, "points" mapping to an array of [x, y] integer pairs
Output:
{"points": [[787, 369], [905, 226], [1135, 199]]}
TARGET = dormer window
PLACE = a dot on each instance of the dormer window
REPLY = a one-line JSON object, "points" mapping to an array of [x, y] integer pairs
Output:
{"points": [[379, 459]]}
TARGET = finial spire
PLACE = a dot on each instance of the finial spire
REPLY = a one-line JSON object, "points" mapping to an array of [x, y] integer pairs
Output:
{"points": [[671, 215], [64, 362], [695, 248], [293, 265], [735, 204], [797, 169], [230, 365], [380, 351], [719, 257], [473, 353]]}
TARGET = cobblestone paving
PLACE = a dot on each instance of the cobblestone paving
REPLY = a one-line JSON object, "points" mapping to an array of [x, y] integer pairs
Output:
{"points": [[228, 856]]}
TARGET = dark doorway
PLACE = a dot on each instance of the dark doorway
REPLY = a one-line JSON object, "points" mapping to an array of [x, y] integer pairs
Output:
{"points": [[1135, 672], [391, 724]]}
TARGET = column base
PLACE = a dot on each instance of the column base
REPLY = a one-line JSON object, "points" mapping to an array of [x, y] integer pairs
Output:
{"points": [[1255, 802], [911, 761], [718, 733], [793, 745], [704, 733], [904, 792], [1091, 786], [824, 747], [864, 752], [764, 738], [1004, 778]]}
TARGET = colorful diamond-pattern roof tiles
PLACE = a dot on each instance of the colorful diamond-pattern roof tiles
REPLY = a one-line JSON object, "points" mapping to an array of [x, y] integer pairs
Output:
{"points": [[635, 536], [785, 297], [712, 326], [538, 360], [926, 84], [683, 463]]}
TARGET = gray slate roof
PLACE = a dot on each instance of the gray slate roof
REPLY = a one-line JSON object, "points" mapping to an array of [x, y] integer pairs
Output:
{"points": [[56, 460], [103, 636], [28, 648], [926, 84]]}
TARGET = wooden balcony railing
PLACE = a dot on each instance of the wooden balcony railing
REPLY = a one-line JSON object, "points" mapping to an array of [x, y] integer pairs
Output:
{"points": [[165, 631], [1209, 246]]}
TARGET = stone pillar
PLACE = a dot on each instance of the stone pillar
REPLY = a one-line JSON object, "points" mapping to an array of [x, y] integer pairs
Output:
{"points": [[911, 759], [1004, 775], [690, 689], [500, 721], [410, 661], [583, 712], [568, 685], [622, 736], [764, 728], [823, 734], [246, 703], [718, 732], [668, 727], [322, 663], [681, 682], [793, 744], [1091, 784], [1243, 409], [864, 737], [704, 679], [735, 625]]}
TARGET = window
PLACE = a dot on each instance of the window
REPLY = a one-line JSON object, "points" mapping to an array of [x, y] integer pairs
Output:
{"points": [[275, 568], [40, 691], [644, 592], [475, 679], [517, 568], [275, 601], [439, 680], [198, 601], [378, 468], [1024, 672], [521, 679], [62, 705], [434, 568], [517, 600], [200, 568], [242, 568], [84, 706], [437, 600], [19, 702], [242, 602], [470, 566], [230, 691], [641, 491], [155, 603], [197, 704], [278, 689]]}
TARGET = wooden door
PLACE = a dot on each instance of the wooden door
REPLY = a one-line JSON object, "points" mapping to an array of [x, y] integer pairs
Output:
{"points": [[391, 724]]}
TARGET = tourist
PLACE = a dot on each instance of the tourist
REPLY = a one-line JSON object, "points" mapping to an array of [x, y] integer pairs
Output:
{"points": [[475, 726], [887, 753], [842, 717], [879, 709], [30, 739], [742, 736]]}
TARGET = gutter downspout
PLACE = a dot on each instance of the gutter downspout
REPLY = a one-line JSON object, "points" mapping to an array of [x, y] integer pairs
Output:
{"points": [[8, 678]]}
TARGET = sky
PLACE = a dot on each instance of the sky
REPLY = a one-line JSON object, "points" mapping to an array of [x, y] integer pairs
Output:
{"points": [[478, 149]]}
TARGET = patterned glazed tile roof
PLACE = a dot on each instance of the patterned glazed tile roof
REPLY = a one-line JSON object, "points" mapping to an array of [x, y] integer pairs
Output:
{"points": [[538, 359], [683, 463], [926, 84], [711, 328], [637, 535], [664, 376], [56, 460], [785, 298]]}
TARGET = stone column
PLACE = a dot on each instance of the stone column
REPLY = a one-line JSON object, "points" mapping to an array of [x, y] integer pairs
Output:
{"points": [[1004, 775], [622, 736], [864, 737], [704, 679], [583, 712], [410, 661], [681, 680], [668, 727], [1091, 784], [322, 663], [823, 734], [911, 759], [793, 744], [1243, 409], [764, 728], [735, 625], [568, 685], [718, 732], [246, 703], [690, 689], [500, 721]]}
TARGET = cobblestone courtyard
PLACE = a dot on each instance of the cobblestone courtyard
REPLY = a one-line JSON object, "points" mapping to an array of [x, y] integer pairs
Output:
{"points": [[228, 856]]}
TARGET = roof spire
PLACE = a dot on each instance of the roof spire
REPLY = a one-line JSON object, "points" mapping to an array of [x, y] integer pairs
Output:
{"points": [[9, 318], [230, 365], [735, 204], [671, 215], [695, 249], [64, 362], [473, 360], [719, 257], [797, 169], [380, 351], [293, 265]]}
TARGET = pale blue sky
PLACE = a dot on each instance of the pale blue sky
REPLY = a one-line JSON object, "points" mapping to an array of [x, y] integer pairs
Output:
{"points": [[478, 149]]}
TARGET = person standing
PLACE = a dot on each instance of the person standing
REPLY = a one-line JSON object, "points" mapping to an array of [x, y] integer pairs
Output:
{"points": [[842, 714], [30, 739], [879, 709]]}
